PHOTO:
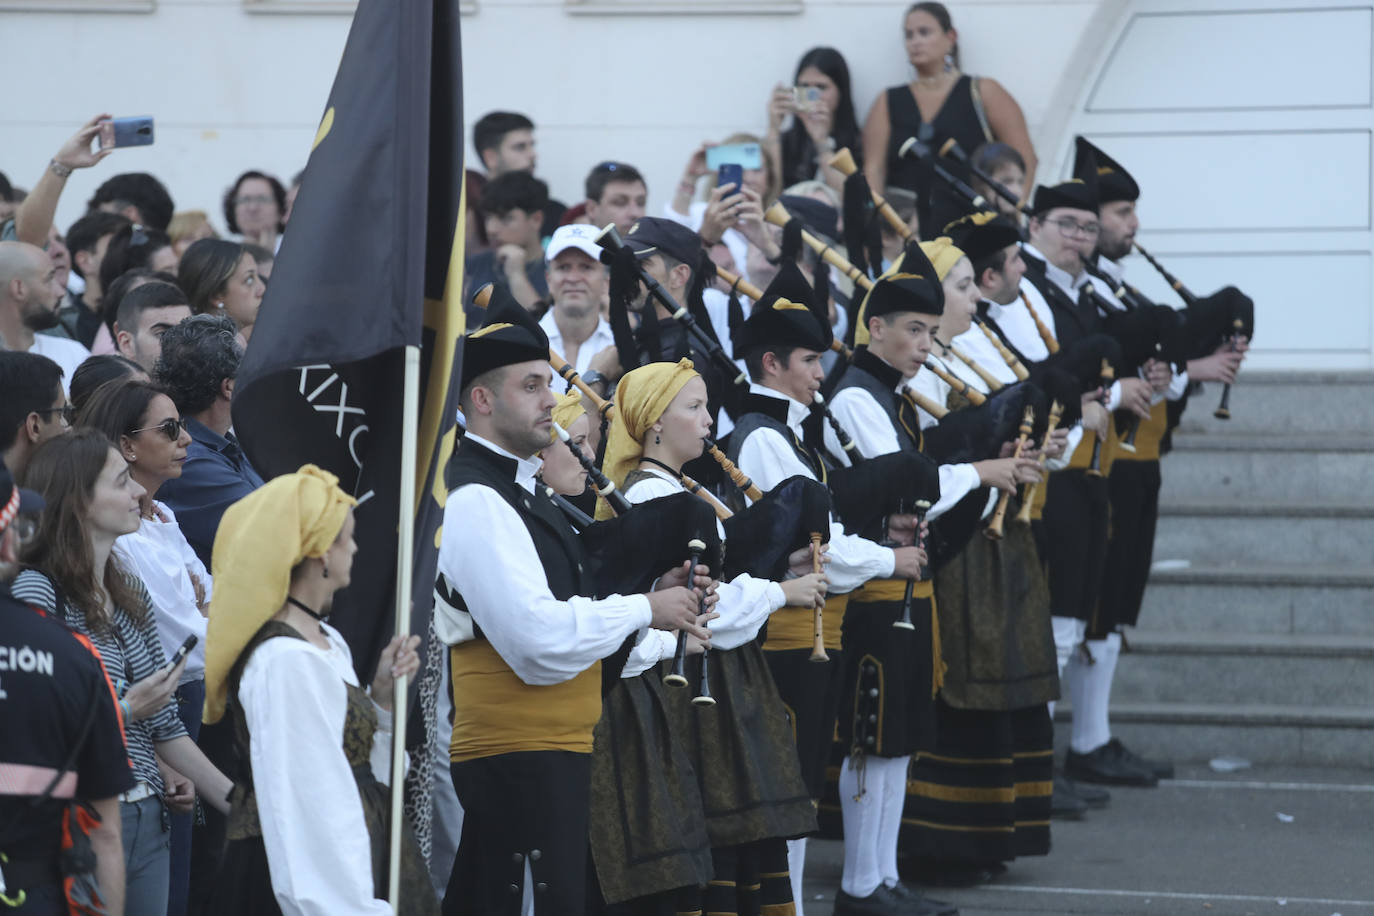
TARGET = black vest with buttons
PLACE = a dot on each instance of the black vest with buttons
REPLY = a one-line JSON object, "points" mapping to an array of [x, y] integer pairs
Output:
{"points": [[880, 380], [560, 551]]}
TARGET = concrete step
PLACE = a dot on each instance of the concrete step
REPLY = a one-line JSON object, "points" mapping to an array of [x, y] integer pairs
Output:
{"points": [[1291, 470], [1241, 533], [1309, 600], [1262, 402], [1263, 734], [1279, 669]]}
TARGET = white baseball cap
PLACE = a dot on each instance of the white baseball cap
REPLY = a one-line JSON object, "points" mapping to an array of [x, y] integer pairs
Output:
{"points": [[579, 235]]}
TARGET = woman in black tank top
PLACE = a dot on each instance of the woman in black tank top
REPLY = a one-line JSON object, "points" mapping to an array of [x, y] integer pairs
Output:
{"points": [[971, 109]]}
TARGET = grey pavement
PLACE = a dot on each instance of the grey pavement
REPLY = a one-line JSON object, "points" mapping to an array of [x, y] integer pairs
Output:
{"points": [[1205, 843]]}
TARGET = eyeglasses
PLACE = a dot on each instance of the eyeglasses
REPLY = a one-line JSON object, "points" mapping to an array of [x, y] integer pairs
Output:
{"points": [[67, 413], [261, 199], [1069, 226], [169, 428]]}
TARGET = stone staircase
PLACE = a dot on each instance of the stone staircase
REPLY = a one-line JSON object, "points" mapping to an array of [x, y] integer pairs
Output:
{"points": [[1257, 635]]}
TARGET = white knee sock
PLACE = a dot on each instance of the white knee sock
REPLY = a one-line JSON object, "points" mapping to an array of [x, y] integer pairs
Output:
{"points": [[1090, 688], [796, 866], [1068, 633], [862, 817], [894, 798]]}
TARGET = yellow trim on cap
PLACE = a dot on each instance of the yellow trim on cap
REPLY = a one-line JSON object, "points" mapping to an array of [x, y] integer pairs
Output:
{"points": [[788, 305], [482, 332]]}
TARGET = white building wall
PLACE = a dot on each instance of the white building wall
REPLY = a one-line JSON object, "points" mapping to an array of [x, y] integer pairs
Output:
{"points": [[233, 87], [1254, 172]]}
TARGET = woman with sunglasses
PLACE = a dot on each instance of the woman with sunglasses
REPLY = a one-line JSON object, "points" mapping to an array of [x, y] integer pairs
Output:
{"points": [[93, 500], [143, 423]]}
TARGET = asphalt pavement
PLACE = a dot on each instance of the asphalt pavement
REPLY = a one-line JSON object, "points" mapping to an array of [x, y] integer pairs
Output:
{"points": [[1266, 840]]}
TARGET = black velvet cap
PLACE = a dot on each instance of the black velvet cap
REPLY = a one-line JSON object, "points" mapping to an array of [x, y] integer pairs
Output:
{"points": [[819, 218], [983, 233], [785, 316], [1078, 193], [1113, 181], [509, 335]]}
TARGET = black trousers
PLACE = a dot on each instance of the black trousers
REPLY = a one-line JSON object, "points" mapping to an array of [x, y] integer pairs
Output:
{"points": [[1072, 537], [1134, 489], [532, 808]]}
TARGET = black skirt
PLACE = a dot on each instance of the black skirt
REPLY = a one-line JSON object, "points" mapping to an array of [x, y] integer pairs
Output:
{"points": [[886, 706], [742, 750], [983, 793], [810, 693], [648, 830]]}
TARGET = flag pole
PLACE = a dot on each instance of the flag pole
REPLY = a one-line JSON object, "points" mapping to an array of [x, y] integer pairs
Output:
{"points": [[405, 549]]}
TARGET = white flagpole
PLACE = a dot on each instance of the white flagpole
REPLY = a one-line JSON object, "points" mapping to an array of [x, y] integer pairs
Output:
{"points": [[405, 550]]}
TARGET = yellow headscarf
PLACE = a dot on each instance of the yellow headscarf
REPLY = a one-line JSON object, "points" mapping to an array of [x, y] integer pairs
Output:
{"points": [[260, 540], [640, 399], [566, 411], [943, 255]]}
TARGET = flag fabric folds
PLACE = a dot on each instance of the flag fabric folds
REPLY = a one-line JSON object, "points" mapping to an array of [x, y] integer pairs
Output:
{"points": [[371, 263]]}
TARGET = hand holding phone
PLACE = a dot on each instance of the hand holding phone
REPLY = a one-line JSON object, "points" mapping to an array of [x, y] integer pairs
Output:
{"points": [[184, 650], [730, 173], [136, 131]]}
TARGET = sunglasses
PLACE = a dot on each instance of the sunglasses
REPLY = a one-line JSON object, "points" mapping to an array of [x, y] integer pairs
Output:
{"points": [[169, 428], [67, 412]]}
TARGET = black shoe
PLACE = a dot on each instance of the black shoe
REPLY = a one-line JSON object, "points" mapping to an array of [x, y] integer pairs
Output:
{"points": [[929, 872], [922, 906], [1108, 765], [1095, 797], [882, 902], [1163, 769], [1066, 804]]}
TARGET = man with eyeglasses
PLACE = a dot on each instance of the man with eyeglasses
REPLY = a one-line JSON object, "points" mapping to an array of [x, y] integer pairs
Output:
{"points": [[33, 406], [63, 743], [29, 298]]}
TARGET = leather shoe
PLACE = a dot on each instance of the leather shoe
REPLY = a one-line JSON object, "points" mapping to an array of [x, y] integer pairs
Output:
{"points": [[1066, 804], [1108, 765], [882, 902], [922, 906], [1163, 769], [1094, 796], [929, 872]]}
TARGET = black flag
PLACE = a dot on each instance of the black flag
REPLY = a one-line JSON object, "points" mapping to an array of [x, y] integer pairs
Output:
{"points": [[371, 264]]}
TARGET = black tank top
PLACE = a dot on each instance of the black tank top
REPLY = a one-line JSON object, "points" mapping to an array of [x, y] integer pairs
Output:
{"points": [[961, 117]]}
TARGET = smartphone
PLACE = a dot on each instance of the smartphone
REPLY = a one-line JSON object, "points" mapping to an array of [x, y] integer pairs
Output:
{"points": [[136, 131], [745, 155], [806, 97], [730, 173], [184, 650]]}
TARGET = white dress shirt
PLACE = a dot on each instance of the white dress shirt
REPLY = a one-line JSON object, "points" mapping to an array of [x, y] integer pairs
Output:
{"points": [[1116, 271], [601, 339], [158, 554], [871, 429], [769, 459], [318, 850], [488, 556]]}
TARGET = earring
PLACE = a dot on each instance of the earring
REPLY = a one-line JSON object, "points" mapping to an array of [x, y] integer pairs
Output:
{"points": [[220, 305], [326, 569], [657, 439], [949, 68]]}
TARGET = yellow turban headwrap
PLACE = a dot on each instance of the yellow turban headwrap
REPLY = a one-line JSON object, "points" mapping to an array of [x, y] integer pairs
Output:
{"points": [[640, 399], [566, 411], [260, 540], [943, 255]]}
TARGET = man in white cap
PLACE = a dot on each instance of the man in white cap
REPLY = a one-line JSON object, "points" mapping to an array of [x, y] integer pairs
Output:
{"points": [[577, 287]]}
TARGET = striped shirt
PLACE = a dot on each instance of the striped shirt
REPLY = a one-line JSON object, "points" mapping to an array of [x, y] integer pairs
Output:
{"points": [[130, 652]]}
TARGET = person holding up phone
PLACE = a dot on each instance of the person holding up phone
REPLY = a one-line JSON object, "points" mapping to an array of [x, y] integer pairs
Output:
{"points": [[143, 423], [34, 218], [758, 173], [821, 107], [92, 500]]}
